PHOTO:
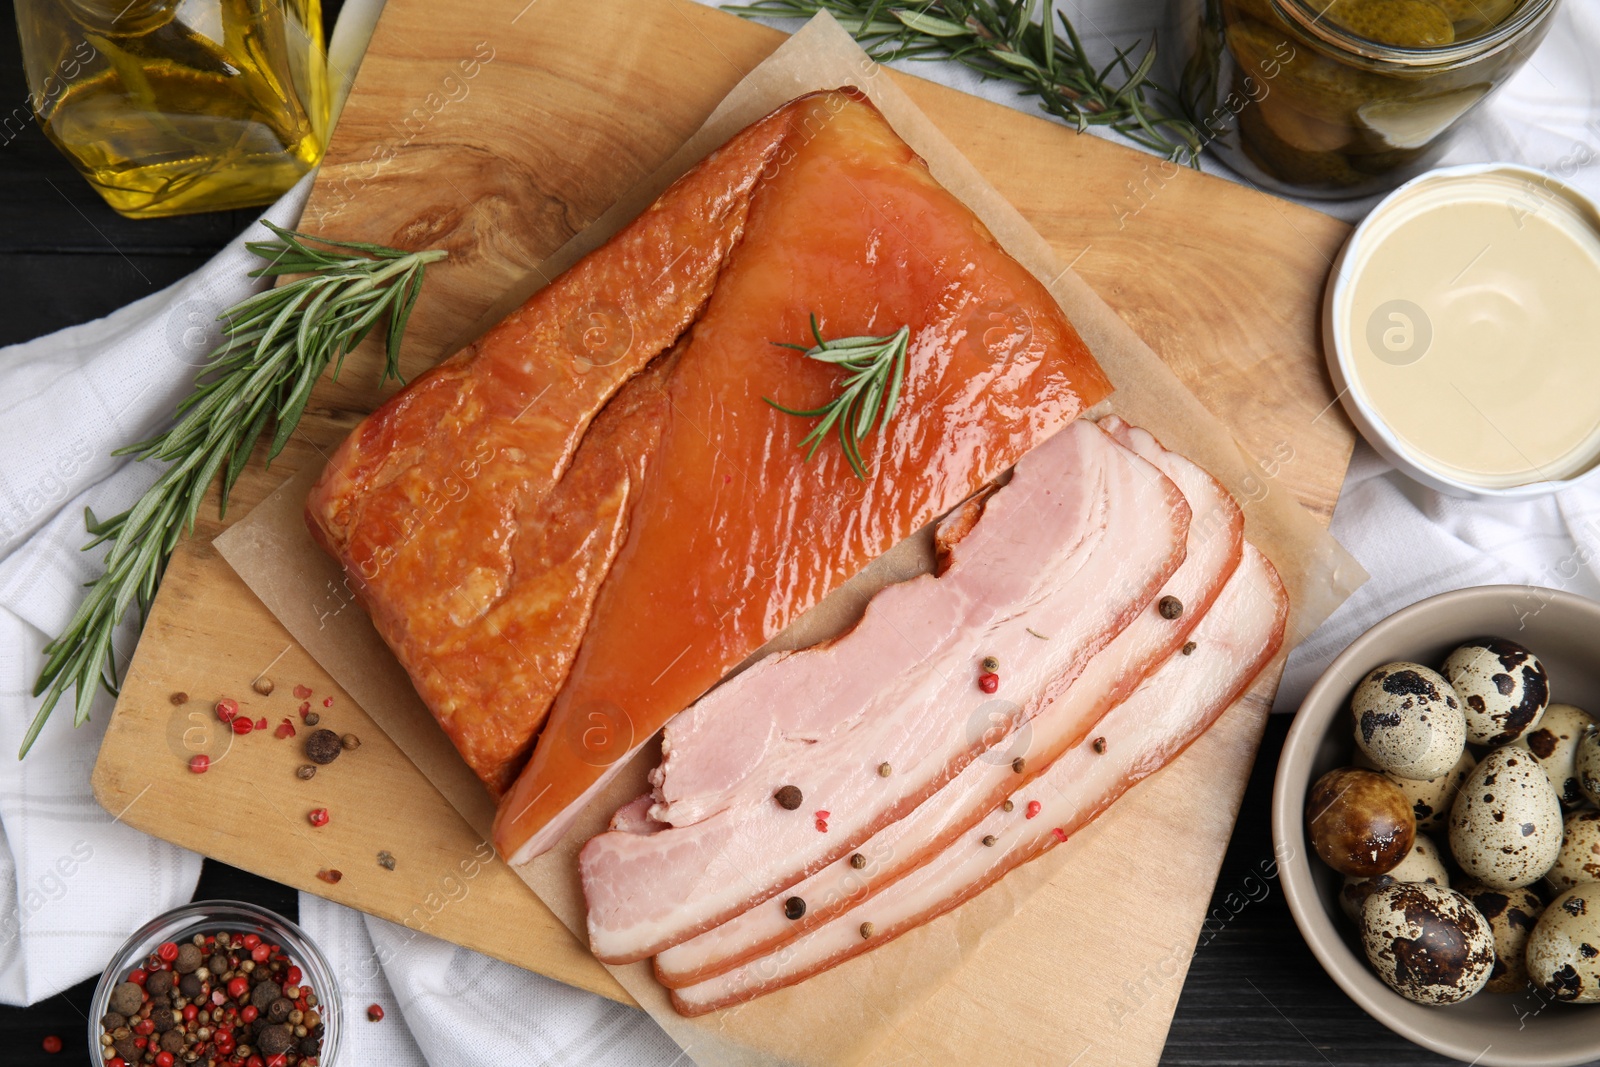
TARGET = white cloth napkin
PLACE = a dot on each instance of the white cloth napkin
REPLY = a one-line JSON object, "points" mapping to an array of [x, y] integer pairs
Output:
{"points": [[73, 881]]}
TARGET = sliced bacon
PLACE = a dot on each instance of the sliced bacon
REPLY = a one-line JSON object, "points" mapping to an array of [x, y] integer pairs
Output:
{"points": [[1073, 548], [1174, 706], [1215, 545]]}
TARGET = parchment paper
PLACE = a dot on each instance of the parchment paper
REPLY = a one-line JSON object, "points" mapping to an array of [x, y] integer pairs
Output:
{"points": [[836, 1017]]}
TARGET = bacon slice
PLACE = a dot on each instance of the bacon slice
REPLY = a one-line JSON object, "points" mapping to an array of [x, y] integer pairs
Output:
{"points": [[1176, 704], [1215, 545], [1073, 548]]}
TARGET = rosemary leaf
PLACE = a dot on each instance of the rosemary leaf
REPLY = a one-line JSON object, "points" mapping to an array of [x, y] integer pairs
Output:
{"points": [[877, 366], [1000, 39], [275, 346]]}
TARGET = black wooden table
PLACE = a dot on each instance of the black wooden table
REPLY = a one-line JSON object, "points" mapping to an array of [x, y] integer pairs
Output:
{"points": [[1254, 993]]}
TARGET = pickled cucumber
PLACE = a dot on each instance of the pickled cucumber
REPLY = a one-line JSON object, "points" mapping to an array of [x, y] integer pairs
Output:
{"points": [[1290, 164], [1491, 12], [1397, 23], [1418, 121], [1311, 83]]}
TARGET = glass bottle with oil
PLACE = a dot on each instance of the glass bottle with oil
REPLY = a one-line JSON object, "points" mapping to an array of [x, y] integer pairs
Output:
{"points": [[176, 106]]}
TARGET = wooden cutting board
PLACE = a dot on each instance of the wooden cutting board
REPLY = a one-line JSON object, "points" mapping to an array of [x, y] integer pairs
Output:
{"points": [[497, 131]]}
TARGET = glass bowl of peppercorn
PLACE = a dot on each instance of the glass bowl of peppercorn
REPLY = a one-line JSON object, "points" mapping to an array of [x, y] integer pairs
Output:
{"points": [[216, 982]]}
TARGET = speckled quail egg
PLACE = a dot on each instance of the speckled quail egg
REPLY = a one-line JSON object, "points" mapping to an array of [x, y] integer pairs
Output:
{"points": [[1408, 720], [1430, 797], [1564, 949], [1503, 689], [1511, 914], [1579, 859], [1554, 743], [1586, 765], [1427, 943], [1505, 827], [1421, 864], [1359, 821]]}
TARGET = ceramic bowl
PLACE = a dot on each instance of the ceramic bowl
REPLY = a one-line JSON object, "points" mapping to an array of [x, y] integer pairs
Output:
{"points": [[1526, 1029]]}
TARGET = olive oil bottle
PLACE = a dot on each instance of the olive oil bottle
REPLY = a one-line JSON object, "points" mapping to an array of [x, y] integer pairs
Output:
{"points": [[176, 106]]}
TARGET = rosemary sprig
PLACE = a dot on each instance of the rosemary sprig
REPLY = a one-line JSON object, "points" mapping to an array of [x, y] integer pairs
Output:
{"points": [[1001, 39], [877, 367], [275, 346]]}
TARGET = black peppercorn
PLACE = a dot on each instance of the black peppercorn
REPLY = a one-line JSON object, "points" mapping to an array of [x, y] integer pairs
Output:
{"points": [[126, 999], [189, 959], [125, 1047], [1099, 745], [858, 861], [794, 907], [161, 1015], [323, 746], [159, 984], [1170, 607], [189, 986], [1018, 764], [217, 965], [278, 1011], [111, 1020], [274, 1040], [262, 994], [172, 1041], [789, 797], [1188, 647]]}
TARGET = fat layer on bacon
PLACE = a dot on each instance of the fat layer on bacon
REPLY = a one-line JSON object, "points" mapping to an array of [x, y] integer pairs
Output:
{"points": [[1176, 704], [1215, 542], [1073, 548]]}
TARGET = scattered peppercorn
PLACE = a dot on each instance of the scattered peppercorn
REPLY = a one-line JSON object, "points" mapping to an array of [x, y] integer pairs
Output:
{"points": [[1060, 834], [323, 746], [1188, 647], [1033, 809], [179, 699], [51, 1044], [858, 861], [200, 763], [188, 959], [262, 686], [386, 860], [1170, 607], [305, 772], [350, 741], [243, 726], [261, 723], [867, 930], [1099, 745], [884, 770], [1007, 806], [311, 718], [317, 817], [375, 1013], [988, 840], [301, 692], [789, 797], [330, 876], [1018, 764], [328, 702], [285, 730], [988, 681], [991, 664], [227, 709], [794, 908]]}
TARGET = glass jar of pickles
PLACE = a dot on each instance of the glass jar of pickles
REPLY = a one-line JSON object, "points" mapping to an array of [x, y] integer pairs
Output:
{"points": [[1343, 98], [175, 106]]}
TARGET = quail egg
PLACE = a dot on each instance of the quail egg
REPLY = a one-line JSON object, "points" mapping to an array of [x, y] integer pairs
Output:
{"points": [[1408, 720], [1421, 864], [1554, 743], [1505, 826], [1359, 821], [1564, 949], [1428, 943], [1503, 689], [1511, 914], [1579, 859], [1586, 764], [1430, 797]]}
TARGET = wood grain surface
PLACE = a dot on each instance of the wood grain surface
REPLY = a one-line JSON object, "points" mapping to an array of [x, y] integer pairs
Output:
{"points": [[499, 133]]}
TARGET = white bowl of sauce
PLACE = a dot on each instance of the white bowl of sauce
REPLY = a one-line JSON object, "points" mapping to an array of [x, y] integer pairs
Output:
{"points": [[1462, 330]]}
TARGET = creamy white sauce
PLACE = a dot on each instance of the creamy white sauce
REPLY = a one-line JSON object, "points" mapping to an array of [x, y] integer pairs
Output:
{"points": [[1473, 328]]}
